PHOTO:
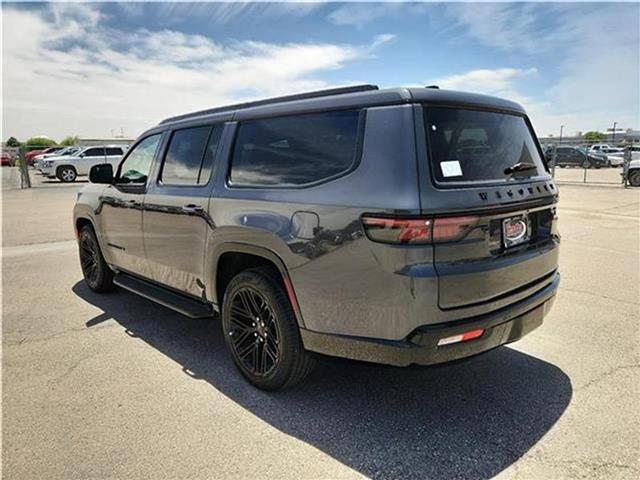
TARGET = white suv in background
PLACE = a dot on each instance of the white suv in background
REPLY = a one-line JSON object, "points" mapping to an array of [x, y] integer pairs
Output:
{"points": [[67, 168], [38, 159]]}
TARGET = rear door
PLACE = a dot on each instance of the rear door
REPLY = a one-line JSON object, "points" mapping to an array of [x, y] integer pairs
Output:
{"points": [[176, 216], [493, 202], [113, 156], [89, 158]]}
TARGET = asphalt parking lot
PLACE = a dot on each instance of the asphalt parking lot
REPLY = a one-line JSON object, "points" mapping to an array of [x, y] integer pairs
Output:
{"points": [[98, 386]]}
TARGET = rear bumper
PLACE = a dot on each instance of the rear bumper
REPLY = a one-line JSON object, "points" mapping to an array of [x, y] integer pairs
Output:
{"points": [[420, 347]]}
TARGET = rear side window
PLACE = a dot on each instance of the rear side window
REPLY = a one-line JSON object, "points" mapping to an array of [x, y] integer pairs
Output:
{"points": [[295, 150], [189, 158], [94, 152], [114, 151], [478, 146]]}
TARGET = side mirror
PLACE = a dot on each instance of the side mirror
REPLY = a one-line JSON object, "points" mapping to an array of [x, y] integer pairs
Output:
{"points": [[101, 173]]}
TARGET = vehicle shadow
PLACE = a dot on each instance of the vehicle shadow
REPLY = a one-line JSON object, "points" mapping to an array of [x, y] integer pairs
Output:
{"points": [[466, 420]]}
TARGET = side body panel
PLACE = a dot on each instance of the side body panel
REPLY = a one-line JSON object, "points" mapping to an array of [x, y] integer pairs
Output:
{"points": [[316, 231]]}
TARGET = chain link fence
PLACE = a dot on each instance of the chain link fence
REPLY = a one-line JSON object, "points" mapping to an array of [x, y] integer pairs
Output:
{"points": [[580, 162]]}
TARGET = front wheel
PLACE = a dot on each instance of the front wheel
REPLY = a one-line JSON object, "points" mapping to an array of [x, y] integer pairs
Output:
{"points": [[586, 164], [634, 178], [261, 332], [97, 274]]}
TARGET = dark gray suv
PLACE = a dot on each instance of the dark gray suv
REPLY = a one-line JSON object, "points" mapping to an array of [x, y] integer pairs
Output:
{"points": [[400, 226]]}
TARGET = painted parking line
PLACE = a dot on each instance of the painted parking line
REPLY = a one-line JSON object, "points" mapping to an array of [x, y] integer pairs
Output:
{"points": [[20, 250]]}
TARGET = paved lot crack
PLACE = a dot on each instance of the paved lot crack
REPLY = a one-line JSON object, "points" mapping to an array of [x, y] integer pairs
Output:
{"points": [[605, 375]]}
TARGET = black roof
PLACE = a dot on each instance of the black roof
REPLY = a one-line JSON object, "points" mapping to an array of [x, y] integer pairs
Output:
{"points": [[344, 98]]}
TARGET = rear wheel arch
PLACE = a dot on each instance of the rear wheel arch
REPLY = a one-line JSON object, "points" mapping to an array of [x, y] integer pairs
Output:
{"points": [[81, 222], [235, 258]]}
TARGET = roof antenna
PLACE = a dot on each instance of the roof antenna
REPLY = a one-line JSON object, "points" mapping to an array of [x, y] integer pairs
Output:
{"points": [[436, 87]]}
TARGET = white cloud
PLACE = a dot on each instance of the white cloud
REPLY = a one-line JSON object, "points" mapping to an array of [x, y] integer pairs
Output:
{"points": [[591, 53], [110, 78], [361, 14], [492, 82]]}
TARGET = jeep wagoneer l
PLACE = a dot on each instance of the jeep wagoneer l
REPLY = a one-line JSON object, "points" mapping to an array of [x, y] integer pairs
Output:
{"points": [[400, 226]]}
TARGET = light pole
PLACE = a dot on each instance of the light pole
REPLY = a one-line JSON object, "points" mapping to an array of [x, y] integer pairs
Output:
{"points": [[613, 135], [555, 154]]}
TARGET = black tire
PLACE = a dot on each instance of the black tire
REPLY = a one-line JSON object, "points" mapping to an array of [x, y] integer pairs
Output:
{"points": [[97, 274], [634, 178], [261, 332], [66, 174], [586, 164], [562, 166]]}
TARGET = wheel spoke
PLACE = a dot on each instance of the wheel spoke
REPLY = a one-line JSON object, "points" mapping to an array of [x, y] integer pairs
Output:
{"points": [[246, 304], [237, 310], [254, 304], [256, 359], [242, 337], [238, 325], [247, 349]]}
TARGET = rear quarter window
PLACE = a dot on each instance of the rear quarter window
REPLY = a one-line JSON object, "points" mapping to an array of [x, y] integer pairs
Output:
{"points": [[295, 150], [467, 146]]}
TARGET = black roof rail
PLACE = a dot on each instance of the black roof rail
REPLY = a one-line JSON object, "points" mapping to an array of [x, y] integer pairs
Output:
{"points": [[287, 98]]}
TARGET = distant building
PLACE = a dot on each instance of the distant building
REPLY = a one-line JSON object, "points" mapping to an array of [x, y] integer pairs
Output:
{"points": [[631, 136], [85, 142]]}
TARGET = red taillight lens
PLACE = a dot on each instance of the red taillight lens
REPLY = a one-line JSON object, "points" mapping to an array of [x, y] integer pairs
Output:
{"points": [[417, 230], [452, 228], [397, 230]]}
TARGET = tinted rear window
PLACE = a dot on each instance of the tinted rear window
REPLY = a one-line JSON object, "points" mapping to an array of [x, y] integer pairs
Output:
{"points": [[184, 156], [295, 150], [477, 146]]}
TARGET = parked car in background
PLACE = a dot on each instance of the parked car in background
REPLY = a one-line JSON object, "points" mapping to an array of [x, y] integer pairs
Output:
{"points": [[399, 226], [567, 156], [67, 168], [614, 154], [5, 159], [30, 155], [632, 173], [65, 152]]}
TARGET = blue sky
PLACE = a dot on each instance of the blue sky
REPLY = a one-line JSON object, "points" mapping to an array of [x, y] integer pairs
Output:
{"points": [[91, 69]]}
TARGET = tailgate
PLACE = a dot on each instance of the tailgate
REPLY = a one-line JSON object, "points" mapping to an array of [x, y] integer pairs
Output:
{"points": [[485, 265]]}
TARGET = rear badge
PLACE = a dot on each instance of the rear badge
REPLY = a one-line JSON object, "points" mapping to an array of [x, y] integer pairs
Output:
{"points": [[515, 230]]}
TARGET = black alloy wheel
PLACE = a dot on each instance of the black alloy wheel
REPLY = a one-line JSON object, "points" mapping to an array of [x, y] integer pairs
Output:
{"points": [[96, 272], [261, 331], [253, 332]]}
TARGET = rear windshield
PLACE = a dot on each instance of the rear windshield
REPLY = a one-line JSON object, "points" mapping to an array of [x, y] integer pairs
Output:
{"points": [[479, 146]]}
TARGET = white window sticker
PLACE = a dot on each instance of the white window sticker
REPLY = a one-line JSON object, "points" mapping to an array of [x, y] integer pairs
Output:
{"points": [[451, 168]]}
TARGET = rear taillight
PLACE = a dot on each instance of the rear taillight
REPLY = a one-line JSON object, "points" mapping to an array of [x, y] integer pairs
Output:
{"points": [[417, 230], [397, 230]]}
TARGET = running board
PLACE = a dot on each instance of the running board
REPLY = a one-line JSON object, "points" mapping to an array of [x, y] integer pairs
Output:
{"points": [[175, 301]]}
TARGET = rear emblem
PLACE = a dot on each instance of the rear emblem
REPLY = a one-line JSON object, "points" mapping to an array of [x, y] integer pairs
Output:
{"points": [[515, 231]]}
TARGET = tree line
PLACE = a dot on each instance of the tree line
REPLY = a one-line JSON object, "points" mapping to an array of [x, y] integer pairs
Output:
{"points": [[40, 142]]}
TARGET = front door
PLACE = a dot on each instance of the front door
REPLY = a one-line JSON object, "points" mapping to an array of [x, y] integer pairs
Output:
{"points": [[175, 216], [121, 208]]}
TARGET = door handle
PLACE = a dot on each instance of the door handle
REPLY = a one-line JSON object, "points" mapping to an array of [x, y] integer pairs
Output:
{"points": [[192, 208]]}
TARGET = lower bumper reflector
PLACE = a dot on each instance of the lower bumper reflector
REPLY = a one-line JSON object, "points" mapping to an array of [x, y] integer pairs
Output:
{"points": [[463, 337]]}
